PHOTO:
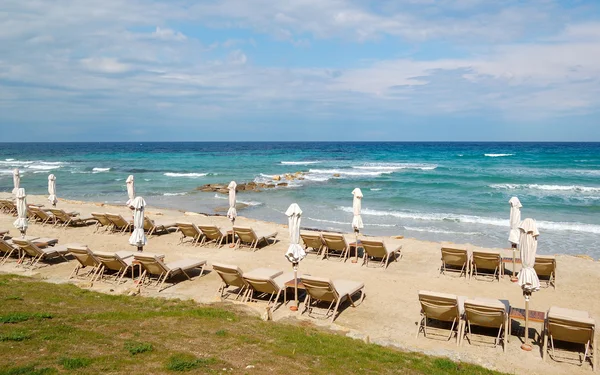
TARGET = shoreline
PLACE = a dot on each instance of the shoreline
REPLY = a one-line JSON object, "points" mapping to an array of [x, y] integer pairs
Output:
{"points": [[390, 310]]}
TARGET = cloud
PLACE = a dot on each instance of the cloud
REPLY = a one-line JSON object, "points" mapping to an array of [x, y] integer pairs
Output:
{"points": [[168, 34], [104, 65]]}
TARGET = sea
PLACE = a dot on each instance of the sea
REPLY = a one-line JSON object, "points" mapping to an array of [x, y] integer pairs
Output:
{"points": [[434, 191]]}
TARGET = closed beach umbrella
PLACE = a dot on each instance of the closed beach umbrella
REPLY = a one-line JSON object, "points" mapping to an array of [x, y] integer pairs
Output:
{"points": [[52, 190], [295, 252], [138, 237], [232, 213], [16, 180], [357, 223], [515, 220], [528, 279], [130, 190], [21, 222]]}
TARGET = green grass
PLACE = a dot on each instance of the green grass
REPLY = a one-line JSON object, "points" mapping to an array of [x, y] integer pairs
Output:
{"points": [[61, 329]]}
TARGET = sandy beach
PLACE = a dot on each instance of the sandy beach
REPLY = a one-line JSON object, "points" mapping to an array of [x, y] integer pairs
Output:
{"points": [[389, 314]]}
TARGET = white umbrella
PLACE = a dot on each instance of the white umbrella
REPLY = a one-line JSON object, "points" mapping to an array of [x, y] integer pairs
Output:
{"points": [[295, 252], [16, 180], [138, 237], [357, 223], [52, 189], [232, 213], [130, 190], [514, 233], [21, 222], [528, 279]]}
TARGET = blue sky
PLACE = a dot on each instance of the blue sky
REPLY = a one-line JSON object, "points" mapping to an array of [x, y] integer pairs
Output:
{"points": [[105, 70]]}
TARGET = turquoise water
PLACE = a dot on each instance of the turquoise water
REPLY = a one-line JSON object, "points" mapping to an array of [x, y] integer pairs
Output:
{"points": [[437, 191]]}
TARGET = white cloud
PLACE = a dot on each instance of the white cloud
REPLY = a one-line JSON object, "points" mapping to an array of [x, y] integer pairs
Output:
{"points": [[104, 65], [168, 34]]}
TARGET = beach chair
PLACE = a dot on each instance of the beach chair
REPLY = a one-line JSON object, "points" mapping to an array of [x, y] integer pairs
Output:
{"points": [[41, 253], [9, 207], [487, 313], [545, 268], [189, 230], [251, 238], [335, 243], [7, 248], [119, 263], [455, 260], [212, 233], [319, 289], [101, 221], [488, 261], [41, 216], [313, 241], [85, 259], [3, 205], [153, 265], [4, 233], [573, 326], [119, 224], [266, 282], [378, 250], [68, 219], [230, 276], [441, 307], [152, 227]]}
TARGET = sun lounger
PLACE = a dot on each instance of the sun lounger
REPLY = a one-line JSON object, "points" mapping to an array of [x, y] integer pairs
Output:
{"points": [[41, 215], [335, 243], [68, 219], [572, 326], [7, 248], [152, 227], [545, 268], [4, 233], [334, 292], [212, 233], [85, 259], [119, 263], [153, 265], [102, 221], [40, 253], [189, 230], [251, 238], [441, 307], [455, 260], [9, 207], [266, 281], [119, 224], [230, 276], [313, 241], [488, 313], [487, 260], [378, 250]]}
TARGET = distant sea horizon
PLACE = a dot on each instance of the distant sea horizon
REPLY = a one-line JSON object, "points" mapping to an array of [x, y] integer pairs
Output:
{"points": [[430, 190]]}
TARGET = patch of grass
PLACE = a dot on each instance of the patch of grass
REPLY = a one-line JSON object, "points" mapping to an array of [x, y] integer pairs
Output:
{"points": [[221, 333], [15, 336], [445, 364], [74, 363], [27, 370], [18, 317], [187, 362], [138, 347], [13, 298]]}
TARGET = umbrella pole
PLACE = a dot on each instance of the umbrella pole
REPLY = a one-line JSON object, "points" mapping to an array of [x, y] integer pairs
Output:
{"points": [[355, 260], [140, 248], [232, 234], [295, 307], [513, 277], [526, 346]]}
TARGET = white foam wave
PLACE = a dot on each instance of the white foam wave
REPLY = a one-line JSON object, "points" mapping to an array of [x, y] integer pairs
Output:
{"points": [[192, 175], [472, 219], [299, 162], [147, 179], [442, 231], [375, 189], [219, 196], [173, 194], [348, 172], [43, 167], [250, 203], [395, 166], [9, 159], [327, 221], [16, 162], [6, 171], [576, 188], [497, 155], [100, 169]]}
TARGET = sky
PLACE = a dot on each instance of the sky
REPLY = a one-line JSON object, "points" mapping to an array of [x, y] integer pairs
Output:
{"points": [[347, 70]]}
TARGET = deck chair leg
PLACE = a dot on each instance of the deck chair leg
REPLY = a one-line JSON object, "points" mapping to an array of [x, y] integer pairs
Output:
{"points": [[74, 272], [163, 280], [337, 305]]}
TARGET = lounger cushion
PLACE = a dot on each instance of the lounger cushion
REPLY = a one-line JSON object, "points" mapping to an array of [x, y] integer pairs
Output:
{"points": [[229, 267], [265, 234], [460, 299], [124, 254], [263, 273], [186, 264], [347, 287], [62, 249], [283, 278], [488, 302], [570, 314]]}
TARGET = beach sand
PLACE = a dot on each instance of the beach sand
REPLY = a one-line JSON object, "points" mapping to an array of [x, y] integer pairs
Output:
{"points": [[389, 314]]}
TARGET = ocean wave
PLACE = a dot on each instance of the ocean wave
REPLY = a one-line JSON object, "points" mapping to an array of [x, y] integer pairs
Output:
{"points": [[395, 166], [348, 172], [192, 175], [16, 162], [472, 219], [442, 231], [299, 162], [173, 194], [577, 188], [147, 179], [43, 167], [100, 169], [328, 221], [9, 159], [375, 189], [497, 155], [6, 171]]}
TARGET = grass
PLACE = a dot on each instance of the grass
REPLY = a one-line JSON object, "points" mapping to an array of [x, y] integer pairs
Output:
{"points": [[61, 329]]}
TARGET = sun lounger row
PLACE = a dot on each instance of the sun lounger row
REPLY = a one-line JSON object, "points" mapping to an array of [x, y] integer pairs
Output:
{"points": [[205, 234], [58, 217], [272, 283], [34, 248], [490, 263]]}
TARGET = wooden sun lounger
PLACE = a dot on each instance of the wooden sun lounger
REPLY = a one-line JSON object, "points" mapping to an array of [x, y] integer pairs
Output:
{"points": [[335, 292], [378, 249], [153, 265], [251, 238]]}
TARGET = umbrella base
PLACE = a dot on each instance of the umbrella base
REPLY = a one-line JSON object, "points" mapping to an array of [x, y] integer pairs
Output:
{"points": [[526, 347], [514, 279], [355, 260], [294, 308]]}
